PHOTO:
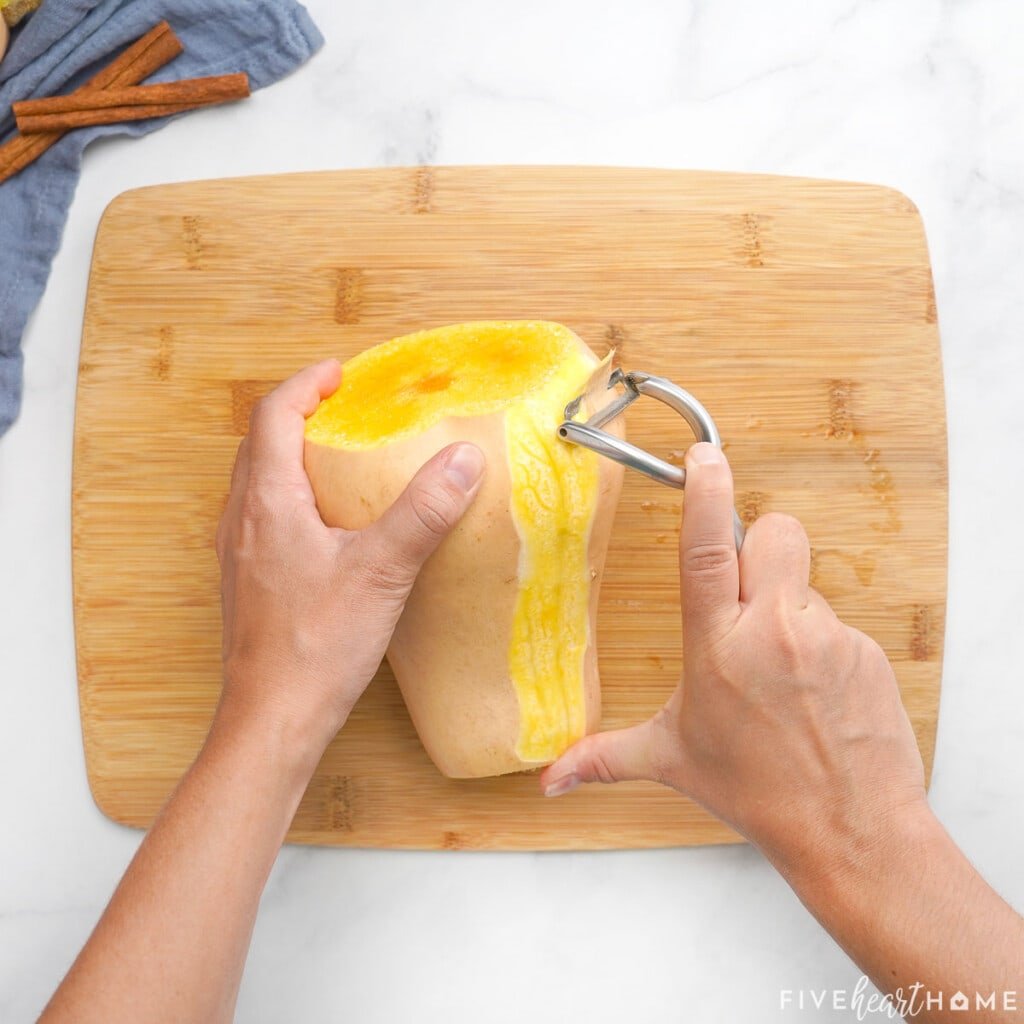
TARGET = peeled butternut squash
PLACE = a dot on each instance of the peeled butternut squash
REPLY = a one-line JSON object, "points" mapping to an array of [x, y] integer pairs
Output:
{"points": [[495, 653]]}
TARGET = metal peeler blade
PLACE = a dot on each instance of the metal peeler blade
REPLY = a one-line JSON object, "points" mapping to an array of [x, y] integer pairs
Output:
{"points": [[589, 433]]}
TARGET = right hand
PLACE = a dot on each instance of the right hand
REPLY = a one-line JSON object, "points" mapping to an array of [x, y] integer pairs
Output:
{"points": [[788, 724]]}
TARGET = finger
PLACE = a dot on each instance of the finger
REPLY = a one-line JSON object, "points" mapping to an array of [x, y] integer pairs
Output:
{"points": [[278, 422], [775, 561], [708, 566], [615, 756], [408, 533]]}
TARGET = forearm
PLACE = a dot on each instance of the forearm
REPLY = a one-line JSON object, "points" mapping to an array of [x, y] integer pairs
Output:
{"points": [[914, 914], [173, 940]]}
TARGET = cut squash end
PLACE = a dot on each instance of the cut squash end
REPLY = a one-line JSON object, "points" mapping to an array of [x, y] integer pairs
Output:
{"points": [[407, 384]]}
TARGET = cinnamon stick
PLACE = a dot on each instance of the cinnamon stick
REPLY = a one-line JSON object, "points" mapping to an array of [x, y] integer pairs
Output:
{"points": [[156, 48], [112, 106]]}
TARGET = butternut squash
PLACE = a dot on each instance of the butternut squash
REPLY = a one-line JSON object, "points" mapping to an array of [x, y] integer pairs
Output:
{"points": [[495, 653]]}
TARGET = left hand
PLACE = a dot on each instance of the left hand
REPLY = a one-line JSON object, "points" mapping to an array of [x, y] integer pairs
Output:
{"points": [[308, 609]]}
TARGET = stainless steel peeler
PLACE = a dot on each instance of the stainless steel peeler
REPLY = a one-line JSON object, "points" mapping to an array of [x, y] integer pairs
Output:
{"points": [[589, 433]]}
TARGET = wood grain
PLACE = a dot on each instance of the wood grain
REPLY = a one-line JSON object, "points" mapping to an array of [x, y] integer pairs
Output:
{"points": [[801, 312]]}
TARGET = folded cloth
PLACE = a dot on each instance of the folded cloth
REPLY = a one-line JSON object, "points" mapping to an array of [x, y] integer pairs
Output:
{"points": [[63, 44]]}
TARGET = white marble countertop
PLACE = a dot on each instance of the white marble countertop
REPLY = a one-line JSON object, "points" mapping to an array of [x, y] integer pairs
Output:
{"points": [[923, 95]]}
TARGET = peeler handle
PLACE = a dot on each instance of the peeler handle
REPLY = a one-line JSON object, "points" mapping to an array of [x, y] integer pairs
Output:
{"points": [[589, 434]]}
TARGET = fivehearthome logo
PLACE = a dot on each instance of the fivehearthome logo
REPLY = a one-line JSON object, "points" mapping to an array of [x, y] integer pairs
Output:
{"points": [[903, 1002]]}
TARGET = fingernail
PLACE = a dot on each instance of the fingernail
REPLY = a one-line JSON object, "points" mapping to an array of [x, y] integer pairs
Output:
{"points": [[464, 466], [565, 784], [706, 453]]}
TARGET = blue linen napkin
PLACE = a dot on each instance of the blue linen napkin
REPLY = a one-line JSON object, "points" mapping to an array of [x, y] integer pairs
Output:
{"points": [[64, 43]]}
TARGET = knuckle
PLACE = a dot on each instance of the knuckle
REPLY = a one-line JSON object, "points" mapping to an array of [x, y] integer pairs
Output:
{"points": [[790, 646], [435, 510], [787, 638], [255, 508], [600, 769], [243, 547], [709, 559], [256, 521]]}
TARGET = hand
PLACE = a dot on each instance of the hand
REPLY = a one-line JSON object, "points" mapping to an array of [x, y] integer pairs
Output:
{"points": [[788, 724], [309, 610]]}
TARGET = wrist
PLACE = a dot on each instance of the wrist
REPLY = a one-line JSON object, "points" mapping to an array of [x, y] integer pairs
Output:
{"points": [[284, 706], [270, 744], [831, 869]]}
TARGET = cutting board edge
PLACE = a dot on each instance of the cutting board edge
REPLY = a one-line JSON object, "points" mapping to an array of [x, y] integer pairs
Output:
{"points": [[711, 832], [400, 172], [933, 732], [940, 386]]}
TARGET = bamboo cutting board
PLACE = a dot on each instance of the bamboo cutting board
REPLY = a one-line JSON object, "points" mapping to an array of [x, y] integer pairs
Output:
{"points": [[800, 312]]}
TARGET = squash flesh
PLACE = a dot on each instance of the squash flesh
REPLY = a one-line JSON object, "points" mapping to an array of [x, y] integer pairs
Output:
{"points": [[528, 370], [554, 494]]}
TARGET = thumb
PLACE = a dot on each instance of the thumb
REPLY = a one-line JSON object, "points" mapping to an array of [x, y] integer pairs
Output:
{"points": [[616, 756], [436, 498]]}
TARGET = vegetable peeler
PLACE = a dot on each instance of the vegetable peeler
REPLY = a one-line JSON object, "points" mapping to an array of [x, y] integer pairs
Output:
{"points": [[590, 435]]}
